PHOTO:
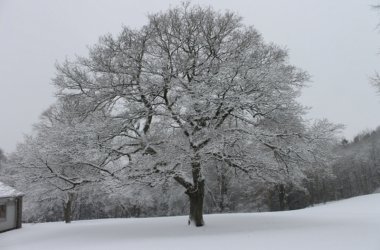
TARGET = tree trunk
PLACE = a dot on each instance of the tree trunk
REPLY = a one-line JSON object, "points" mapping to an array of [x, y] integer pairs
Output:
{"points": [[196, 197], [223, 190], [195, 191], [67, 208], [67, 211], [282, 196]]}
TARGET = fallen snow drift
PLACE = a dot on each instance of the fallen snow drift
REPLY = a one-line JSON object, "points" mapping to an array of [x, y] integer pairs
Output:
{"points": [[349, 224]]}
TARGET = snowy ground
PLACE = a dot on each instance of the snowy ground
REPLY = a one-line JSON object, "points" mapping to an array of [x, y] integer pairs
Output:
{"points": [[348, 224]]}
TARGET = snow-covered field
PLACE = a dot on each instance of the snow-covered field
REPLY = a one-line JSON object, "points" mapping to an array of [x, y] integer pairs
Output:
{"points": [[348, 224]]}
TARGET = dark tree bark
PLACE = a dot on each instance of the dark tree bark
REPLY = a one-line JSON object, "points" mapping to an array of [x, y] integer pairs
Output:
{"points": [[196, 197], [281, 196], [67, 211], [223, 189], [195, 191], [68, 207], [19, 212]]}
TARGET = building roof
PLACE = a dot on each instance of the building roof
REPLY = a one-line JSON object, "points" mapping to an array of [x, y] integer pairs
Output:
{"points": [[7, 191]]}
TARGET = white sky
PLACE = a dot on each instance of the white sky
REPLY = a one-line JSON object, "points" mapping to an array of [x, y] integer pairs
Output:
{"points": [[336, 41]]}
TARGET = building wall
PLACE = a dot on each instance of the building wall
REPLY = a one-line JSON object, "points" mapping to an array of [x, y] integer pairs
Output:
{"points": [[10, 221]]}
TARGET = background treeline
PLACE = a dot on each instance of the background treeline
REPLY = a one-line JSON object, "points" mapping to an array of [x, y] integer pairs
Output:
{"points": [[355, 172]]}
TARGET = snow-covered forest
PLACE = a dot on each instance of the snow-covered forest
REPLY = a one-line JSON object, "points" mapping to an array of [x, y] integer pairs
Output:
{"points": [[194, 113]]}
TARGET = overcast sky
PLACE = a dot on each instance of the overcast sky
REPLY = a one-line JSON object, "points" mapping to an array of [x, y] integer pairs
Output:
{"points": [[336, 41]]}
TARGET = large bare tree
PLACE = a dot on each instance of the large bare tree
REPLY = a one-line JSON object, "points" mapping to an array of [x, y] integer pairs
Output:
{"points": [[193, 86]]}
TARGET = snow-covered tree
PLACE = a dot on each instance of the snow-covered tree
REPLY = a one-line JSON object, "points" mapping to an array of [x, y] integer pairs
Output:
{"points": [[3, 158], [62, 157], [192, 87], [358, 167]]}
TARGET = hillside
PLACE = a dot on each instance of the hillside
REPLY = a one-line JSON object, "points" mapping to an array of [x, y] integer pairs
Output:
{"points": [[349, 224]]}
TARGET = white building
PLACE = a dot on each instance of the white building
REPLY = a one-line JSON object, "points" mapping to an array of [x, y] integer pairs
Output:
{"points": [[10, 208]]}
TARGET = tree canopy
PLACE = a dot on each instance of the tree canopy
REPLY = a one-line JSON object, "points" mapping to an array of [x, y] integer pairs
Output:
{"points": [[192, 89]]}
